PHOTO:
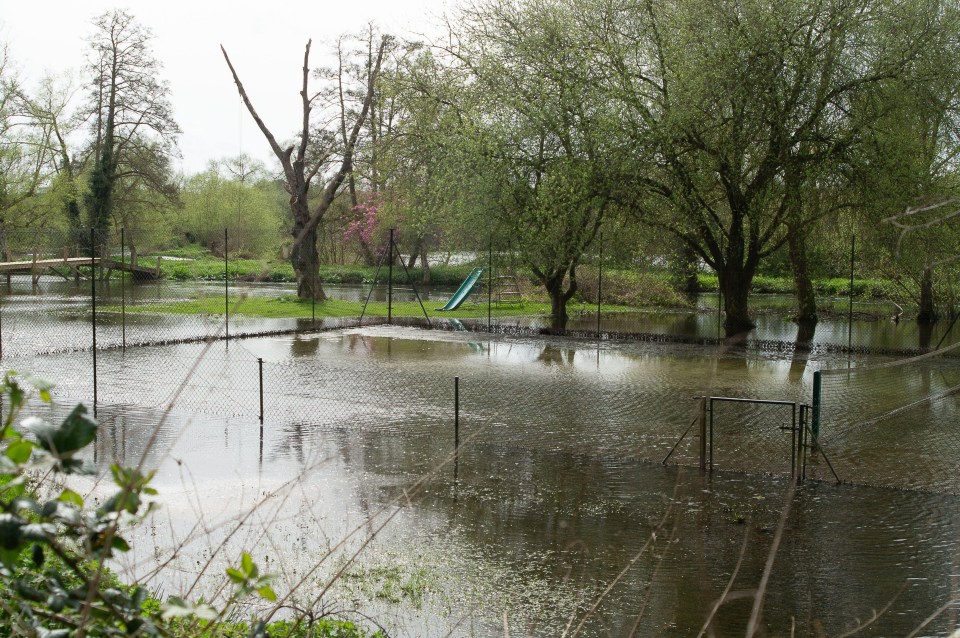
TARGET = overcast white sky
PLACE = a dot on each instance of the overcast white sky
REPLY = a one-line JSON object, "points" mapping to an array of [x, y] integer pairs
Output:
{"points": [[265, 42]]}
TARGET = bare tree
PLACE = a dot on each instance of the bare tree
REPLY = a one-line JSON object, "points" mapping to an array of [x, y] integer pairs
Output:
{"points": [[133, 127], [316, 150]]}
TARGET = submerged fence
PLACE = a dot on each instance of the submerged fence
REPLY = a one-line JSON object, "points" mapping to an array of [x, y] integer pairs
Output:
{"points": [[304, 386]]}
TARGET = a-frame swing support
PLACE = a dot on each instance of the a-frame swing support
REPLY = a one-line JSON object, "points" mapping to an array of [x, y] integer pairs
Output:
{"points": [[392, 249]]}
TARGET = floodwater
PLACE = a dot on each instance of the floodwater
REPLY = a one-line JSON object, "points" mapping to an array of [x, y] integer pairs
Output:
{"points": [[556, 515]]}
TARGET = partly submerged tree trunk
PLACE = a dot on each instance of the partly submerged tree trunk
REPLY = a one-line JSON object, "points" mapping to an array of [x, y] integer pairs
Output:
{"points": [[559, 296], [805, 293], [928, 312], [735, 286]]}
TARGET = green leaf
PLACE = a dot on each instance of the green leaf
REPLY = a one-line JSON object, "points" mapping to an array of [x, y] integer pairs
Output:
{"points": [[69, 496], [19, 451], [246, 564], [120, 545], [76, 432], [267, 592], [236, 575]]}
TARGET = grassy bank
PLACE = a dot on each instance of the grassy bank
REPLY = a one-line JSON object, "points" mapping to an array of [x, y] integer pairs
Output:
{"points": [[621, 287], [209, 268]]}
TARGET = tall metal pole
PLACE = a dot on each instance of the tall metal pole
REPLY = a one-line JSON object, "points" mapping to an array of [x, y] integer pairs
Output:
{"points": [[226, 287], [815, 408], [123, 292], [853, 248], [390, 280], [599, 284], [489, 285], [260, 364], [456, 427], [93, 305]]}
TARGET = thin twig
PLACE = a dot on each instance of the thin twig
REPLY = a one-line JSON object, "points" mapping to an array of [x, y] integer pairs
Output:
{"points": [[771, 558]]}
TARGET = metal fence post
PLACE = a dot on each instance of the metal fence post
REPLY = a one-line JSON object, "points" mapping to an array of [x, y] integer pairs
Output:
{"points": [[390, 279], [260, 365], [123, 293], [599, 284], [93, 305], [703, 434], [490, 285], [456, 413], [853, 248], [456, 427], [815, 416], [226, 287]]}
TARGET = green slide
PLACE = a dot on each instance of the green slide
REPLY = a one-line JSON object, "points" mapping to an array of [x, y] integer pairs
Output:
{"points": [[463, 291]]}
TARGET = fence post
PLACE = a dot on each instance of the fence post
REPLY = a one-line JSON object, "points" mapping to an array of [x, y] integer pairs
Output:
{"points": [[93, 305], [390, 279], [489, 285], [456, 428], [853, 248], [226, 287], [815, 417], [703, 434], [599, 284], [260, 365], [456, 414], [123, 293]]}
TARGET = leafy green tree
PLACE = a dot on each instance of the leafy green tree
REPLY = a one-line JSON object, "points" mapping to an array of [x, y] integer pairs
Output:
{"points": [[741, 105], [540, 132]]}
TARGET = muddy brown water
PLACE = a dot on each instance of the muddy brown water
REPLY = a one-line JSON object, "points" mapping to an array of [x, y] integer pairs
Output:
{"points": [[557, 512]]}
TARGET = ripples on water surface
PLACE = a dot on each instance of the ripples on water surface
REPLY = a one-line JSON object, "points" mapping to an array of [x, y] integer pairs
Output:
{"points": [[559, 487]]}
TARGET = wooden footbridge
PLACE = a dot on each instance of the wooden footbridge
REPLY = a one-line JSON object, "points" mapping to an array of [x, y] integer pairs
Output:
{"points": [[68, 267]]}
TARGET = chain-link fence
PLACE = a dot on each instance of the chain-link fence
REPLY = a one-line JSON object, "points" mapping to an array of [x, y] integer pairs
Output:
{"points": [[82, 289], [891, 425]]}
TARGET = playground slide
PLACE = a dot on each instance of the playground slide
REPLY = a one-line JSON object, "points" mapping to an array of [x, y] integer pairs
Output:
{"points": [[463, 291]]}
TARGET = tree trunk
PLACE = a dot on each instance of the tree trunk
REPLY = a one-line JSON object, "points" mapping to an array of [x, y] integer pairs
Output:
{"points": [[806, 296], [928, 313], [306, 262], [426, 267], [735, 285], [559, 298], [689, 267]]}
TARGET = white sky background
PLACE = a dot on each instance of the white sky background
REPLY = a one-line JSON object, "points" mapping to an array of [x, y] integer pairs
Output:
{"points": [[265, 42]]}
